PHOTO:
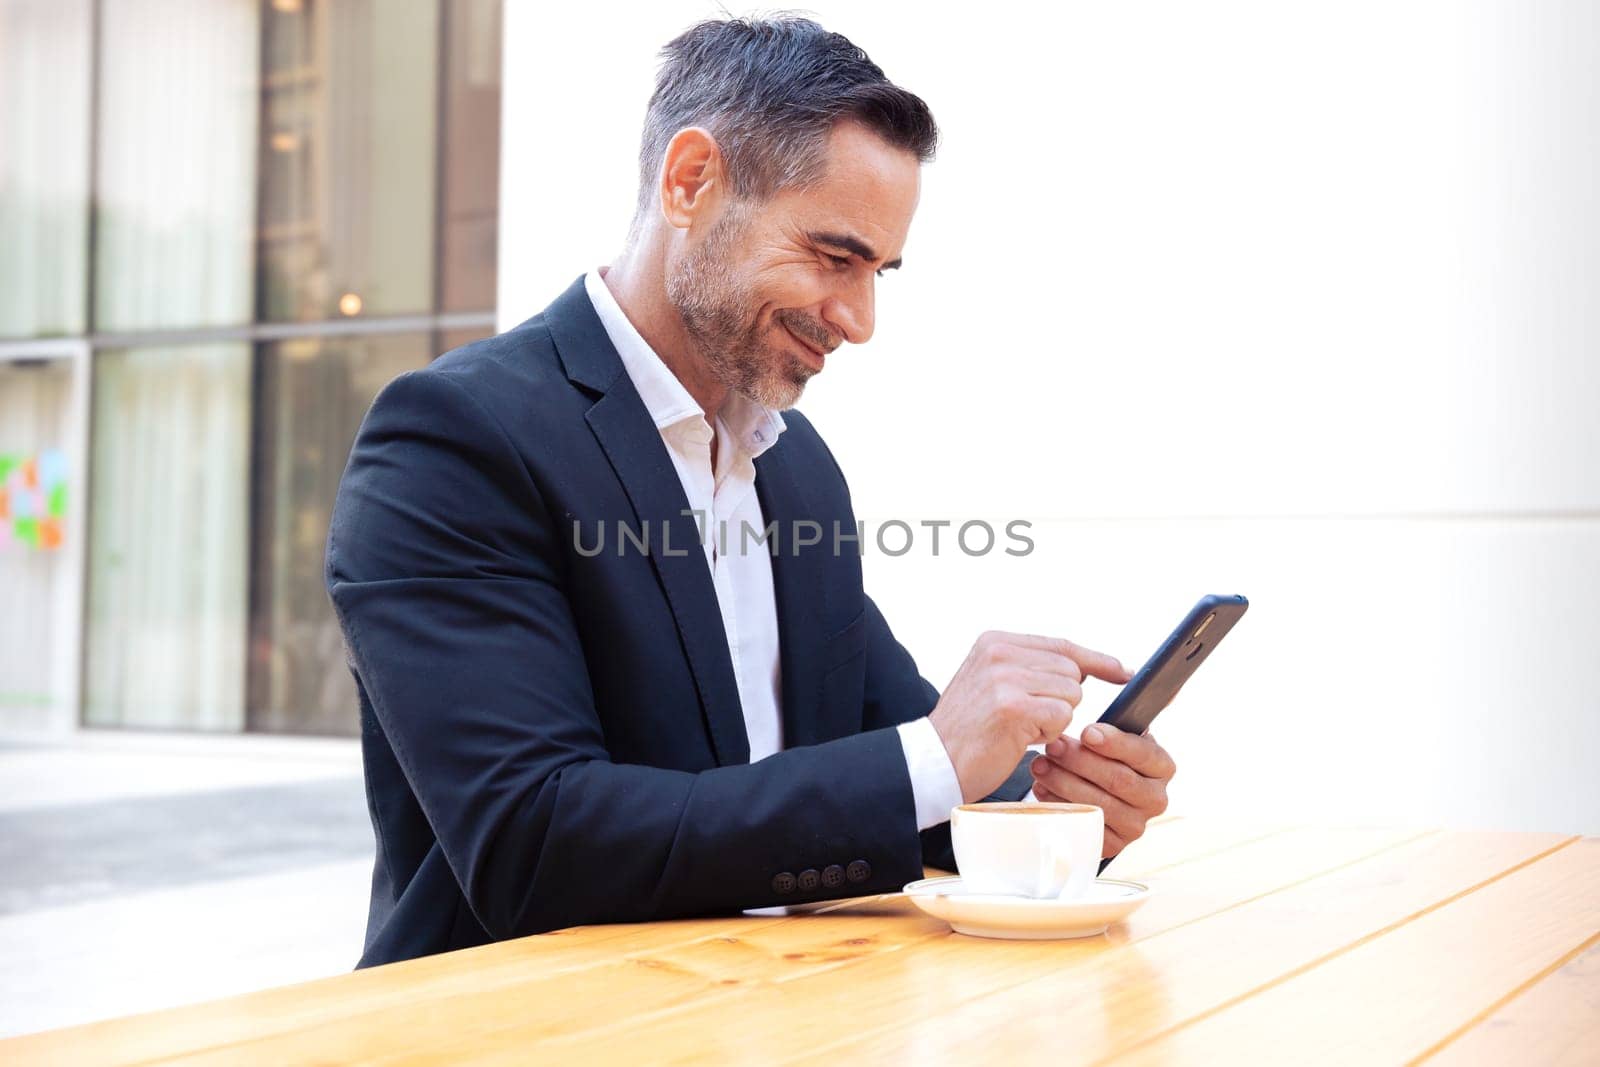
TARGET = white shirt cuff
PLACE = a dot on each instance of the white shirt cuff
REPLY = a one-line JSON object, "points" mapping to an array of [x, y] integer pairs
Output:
{"points": [[934, 786]]}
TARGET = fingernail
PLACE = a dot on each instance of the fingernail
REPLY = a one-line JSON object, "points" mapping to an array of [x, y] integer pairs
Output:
{"points": [[1093, 735], [1037, 766], [1056, 748]]}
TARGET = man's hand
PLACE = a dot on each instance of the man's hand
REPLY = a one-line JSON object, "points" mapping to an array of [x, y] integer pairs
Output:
{"points": [[1013, 690], [1124, 774]]}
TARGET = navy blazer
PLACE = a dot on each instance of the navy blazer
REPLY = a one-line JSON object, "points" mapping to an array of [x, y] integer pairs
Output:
{"points": [[553, 737]]}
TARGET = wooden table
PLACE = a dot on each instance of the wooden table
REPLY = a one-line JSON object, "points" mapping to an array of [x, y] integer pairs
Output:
{"points": [[1260, 944]]}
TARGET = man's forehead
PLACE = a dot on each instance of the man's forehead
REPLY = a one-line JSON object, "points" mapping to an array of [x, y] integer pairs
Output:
{"points": [[866, 193], [859, 162]]}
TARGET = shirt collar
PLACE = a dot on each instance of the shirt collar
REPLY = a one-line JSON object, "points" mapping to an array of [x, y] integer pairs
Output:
{"points": [[754, 426]]}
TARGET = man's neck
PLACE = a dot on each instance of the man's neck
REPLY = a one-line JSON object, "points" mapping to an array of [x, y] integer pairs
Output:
{"points": [[640, 289]]}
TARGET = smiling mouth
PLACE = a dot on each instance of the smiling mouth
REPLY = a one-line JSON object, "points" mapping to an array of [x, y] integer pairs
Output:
{"points": [[814, 356]]}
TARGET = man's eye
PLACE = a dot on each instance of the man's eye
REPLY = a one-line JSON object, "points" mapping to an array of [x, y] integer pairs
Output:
{"points": [[843, 262]]}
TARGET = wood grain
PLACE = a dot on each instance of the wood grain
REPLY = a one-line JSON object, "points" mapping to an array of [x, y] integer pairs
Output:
{"points": [[1553, 1020], [1109, 1001], [758, 1021], [653, 980], [1389, 998], [1169, 842], [1260, 943], [169, 1033], [397, 992]]}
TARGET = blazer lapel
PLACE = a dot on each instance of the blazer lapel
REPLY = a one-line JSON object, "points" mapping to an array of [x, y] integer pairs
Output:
{"points": [[798, 583], [635, 450]]}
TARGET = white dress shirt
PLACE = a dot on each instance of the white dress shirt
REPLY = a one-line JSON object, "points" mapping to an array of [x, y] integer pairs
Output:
{"points": [[725, 498]]}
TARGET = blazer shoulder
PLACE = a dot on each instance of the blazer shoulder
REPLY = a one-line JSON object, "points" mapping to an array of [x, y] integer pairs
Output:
{"points": [[523, 355], [516, 376]]}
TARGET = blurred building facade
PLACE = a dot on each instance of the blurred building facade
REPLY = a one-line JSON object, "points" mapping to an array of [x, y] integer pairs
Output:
{"points": [[224, 225]]}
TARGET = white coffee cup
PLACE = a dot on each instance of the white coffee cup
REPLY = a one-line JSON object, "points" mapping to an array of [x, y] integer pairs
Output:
{"points": [[1029, 850]]}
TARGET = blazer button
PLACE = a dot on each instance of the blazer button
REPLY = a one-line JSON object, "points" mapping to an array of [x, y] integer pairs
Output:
{"points": [[859, 871], [783, 883], [833, 877], [809, 879]]}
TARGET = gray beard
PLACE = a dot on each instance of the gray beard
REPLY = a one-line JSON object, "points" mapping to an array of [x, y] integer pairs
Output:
{"points": [[711, 301]]}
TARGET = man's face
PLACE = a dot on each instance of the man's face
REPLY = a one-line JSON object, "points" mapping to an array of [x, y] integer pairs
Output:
{"points": [[773, 287]]}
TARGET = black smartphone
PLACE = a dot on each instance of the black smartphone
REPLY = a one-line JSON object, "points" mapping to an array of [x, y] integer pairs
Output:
{"points": [[1174, 663]]}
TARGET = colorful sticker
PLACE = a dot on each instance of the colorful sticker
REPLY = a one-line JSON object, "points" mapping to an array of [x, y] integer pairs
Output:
{"points": [[33, 500]]}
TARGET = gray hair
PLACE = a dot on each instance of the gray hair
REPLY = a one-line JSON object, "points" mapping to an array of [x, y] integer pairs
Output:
{"points": [[769, 90]]}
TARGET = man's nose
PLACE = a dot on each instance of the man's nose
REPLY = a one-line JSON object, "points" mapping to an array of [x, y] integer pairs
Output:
{"points": [[851, 312]]}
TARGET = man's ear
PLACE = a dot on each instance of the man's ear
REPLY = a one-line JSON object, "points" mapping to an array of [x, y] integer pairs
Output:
{"points": [[691, 177]]}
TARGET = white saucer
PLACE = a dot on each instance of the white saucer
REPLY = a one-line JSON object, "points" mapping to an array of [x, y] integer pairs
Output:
{"points": [[1026, 918]]}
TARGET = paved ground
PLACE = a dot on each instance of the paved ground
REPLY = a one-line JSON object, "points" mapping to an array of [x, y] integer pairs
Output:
{"points": [[142, 871]]}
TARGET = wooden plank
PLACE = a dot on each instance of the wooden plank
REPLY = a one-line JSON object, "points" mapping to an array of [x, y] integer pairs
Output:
{"points": [[474, 972], [1553, 1020], [759, 1020], [1184, 840], [647, 982], [651, 979], [1108, 1001], [1390, 998], [174, 1031]]}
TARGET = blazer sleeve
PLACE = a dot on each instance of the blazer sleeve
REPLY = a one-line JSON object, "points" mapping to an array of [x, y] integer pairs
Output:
{"points": [[896, 692], [448, 577]]}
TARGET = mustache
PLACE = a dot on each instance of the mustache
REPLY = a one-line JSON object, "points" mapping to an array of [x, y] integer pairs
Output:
{"points": [[809, 329]]}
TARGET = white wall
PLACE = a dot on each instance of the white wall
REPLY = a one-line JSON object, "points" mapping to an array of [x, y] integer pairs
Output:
{"points": [[1298, 301]]}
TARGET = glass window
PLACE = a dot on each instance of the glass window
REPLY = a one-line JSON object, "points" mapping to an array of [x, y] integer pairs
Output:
{"points": [[175, 170], [449, 339], [44, 166], [168, 518], [471, 163], [348, 158], [244, 161], [37, 486], [313, 394]]}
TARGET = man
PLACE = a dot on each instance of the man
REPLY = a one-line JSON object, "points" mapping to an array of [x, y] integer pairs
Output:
{"points": [[587, 694]]}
